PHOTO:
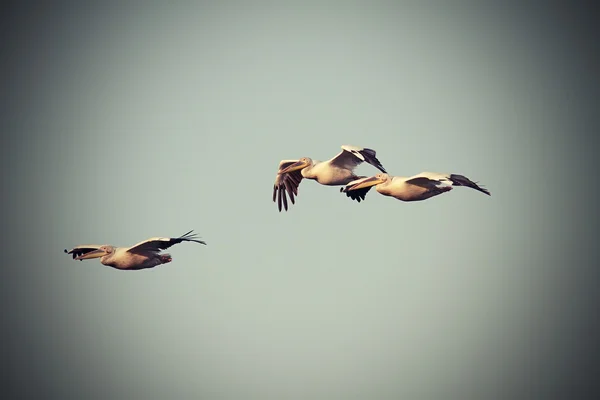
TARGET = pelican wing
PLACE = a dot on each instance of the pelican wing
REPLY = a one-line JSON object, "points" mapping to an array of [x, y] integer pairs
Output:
{"points": [[286, 184], [156, 244], [423, 182], [351, 156], [433, 180], [460, 180], [356, 194], [82, 249]]}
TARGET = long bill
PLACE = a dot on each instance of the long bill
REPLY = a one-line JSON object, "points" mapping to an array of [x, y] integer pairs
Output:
{"points": [[367, 182], [294, 167], [92, 254]]}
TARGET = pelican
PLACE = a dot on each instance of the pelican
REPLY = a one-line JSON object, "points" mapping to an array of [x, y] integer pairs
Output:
{"points": [[414, 188], [140, 256], [337, 171]]}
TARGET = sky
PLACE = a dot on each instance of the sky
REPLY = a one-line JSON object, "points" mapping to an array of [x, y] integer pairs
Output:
{"points": [[126, 122]]}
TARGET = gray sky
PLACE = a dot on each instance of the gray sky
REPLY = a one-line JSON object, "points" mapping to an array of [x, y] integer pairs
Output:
{"points": [[154, 121]]}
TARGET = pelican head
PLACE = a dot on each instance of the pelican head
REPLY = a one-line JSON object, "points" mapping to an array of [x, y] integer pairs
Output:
{"points": [[300, 164], [372, 181], [100, 252]]}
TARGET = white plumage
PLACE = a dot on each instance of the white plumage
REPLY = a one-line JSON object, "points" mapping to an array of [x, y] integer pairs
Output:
{"points": [[145, 254], [415, 188], [334, 172]]}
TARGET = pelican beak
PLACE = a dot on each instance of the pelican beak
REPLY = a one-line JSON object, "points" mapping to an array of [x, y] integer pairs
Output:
{"points": [[294, 167], [92, 254], [372, 181]]}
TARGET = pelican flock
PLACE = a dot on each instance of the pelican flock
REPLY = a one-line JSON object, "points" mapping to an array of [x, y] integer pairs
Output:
{"points": [[143, 255], [415, 188], [338, 171], [334, 172]]}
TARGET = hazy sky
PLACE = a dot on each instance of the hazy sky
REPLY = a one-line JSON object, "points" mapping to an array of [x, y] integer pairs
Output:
{"points": [[133, 122]]}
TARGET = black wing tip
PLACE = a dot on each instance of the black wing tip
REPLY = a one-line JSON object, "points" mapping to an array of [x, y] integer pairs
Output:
{"points": [[379, 166], [372, 159], [288, 187], [357, 194], [194, 240], [461, 180], [191, 237]]}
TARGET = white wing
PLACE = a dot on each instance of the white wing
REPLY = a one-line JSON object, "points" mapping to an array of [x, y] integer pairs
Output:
{"points": [[431, 180], [351, 156]]}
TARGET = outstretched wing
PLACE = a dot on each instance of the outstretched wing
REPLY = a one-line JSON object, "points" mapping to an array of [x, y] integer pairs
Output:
{"points": [[160, 243], [356, 194], [286, 184], [424, 182], [82, 249], [460, 180], [351, 156], [431, 180]]}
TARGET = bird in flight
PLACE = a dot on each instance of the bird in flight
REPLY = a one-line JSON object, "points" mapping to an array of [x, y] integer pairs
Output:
{"points": [[143, 255], [415, 188], [335, 172]]}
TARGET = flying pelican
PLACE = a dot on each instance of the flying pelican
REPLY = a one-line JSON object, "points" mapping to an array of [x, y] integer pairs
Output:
{"points": [[140, 256], [414, 188], [337, 171]]}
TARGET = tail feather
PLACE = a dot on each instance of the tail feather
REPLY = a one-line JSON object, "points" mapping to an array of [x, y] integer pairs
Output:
{"points": [[460, 180]]}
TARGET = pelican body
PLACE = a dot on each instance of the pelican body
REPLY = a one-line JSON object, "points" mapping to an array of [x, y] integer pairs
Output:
{"points": [[143, 255], [415, 188], [334, 172]]}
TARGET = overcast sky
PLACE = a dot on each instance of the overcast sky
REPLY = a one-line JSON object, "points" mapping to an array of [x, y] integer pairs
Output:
{"points": [[140, 122]]}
